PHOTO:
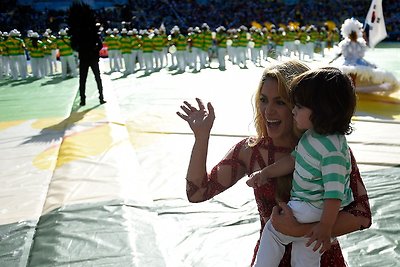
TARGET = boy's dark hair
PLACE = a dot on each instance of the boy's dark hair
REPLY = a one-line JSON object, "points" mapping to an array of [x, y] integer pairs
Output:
{"points": [[330, 94]]}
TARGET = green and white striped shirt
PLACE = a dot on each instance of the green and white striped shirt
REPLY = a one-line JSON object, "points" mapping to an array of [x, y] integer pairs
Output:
{"points": [[322, 169]]}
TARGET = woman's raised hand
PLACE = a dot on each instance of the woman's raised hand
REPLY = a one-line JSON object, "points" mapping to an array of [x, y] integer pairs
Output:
{"points": [[200, 119]]}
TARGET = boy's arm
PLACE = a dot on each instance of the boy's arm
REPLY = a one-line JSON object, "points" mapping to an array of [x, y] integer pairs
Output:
{"points": [[321, 233], [281, 167]]}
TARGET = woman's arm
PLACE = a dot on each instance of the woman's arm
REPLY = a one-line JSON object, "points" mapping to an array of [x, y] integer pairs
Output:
{"points": [[200, 121], [359, 208], [283, 221], [200, 185]]}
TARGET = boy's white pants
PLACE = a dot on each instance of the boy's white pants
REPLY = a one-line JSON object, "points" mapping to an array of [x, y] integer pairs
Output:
{"points": [[272, 242]]}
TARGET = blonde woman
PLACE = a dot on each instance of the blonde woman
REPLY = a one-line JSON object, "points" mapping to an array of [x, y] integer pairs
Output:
{"points": [[276, 137]]}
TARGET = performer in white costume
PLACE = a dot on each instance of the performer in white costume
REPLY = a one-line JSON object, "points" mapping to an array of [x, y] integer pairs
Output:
{"points": [[366, 76]]}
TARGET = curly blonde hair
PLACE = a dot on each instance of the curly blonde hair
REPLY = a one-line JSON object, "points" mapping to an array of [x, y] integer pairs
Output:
{"points": [[283, 73]]}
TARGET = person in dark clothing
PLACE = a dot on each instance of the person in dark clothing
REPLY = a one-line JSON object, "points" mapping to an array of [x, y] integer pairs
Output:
{"points": [[86, 41], [90, 58]]}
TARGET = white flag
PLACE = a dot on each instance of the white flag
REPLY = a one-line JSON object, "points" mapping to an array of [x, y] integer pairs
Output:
{"points": [[376, 23]]}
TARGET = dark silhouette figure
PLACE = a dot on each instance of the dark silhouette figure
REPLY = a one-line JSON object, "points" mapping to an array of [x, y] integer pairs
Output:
{"points": [[86, 40]]}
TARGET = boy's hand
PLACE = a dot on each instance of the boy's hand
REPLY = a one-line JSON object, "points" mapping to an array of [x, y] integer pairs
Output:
{"points": [[321, 234], [256, 180]]}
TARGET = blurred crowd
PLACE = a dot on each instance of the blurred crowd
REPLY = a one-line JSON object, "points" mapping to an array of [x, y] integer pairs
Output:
{"points": [[181, 35], [188, 13]]}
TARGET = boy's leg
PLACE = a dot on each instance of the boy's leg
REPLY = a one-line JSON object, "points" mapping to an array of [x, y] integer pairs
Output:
{"points": [[271, 248], [303, 256]]}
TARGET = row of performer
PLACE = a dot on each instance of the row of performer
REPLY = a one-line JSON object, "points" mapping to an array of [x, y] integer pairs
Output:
{"points": [[199, 45], [153, 49], [41, 51]]}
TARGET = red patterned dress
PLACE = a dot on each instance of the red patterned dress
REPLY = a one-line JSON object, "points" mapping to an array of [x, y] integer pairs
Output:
{"points": [[244, 159]]}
